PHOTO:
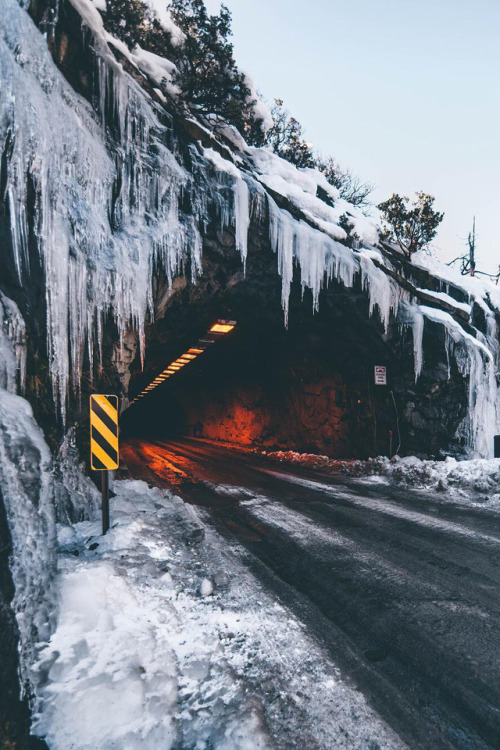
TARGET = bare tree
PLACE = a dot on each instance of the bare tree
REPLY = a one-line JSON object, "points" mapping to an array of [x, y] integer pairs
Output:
{"points": [[350, 187], [468, 266], [286, 137]]}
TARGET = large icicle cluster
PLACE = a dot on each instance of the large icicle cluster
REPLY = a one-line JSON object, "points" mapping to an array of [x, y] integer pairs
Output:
{"points": [[97, 251], [476, 360]]}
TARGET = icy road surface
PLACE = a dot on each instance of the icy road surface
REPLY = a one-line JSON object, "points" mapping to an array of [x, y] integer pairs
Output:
{"points": [[398, 590], [165, 640]]}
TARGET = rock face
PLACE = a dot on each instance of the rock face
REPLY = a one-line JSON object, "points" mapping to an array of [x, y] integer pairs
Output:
{"points": [[308, 387], [127, 228]]}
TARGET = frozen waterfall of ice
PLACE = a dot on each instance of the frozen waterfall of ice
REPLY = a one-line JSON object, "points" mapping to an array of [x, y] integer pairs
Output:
{"points": [[26, 489], [476, 360]]}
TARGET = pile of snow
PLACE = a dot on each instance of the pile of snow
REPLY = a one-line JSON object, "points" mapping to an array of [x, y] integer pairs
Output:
{"points": [[160, 10], [166, 640], [475, 480]]}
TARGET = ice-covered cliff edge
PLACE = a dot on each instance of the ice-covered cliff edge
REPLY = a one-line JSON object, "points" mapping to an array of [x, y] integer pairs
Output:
{"points": [[107, 192]]}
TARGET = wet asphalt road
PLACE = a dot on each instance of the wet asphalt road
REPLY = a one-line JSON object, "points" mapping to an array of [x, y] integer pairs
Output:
{"points": [[402, 591]]}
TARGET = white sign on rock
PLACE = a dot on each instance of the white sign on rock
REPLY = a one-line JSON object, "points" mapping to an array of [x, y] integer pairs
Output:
{"points": [[380, 375]]}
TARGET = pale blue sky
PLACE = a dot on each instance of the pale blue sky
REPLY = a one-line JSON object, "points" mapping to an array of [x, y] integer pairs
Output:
{"points": [[404, 92]]}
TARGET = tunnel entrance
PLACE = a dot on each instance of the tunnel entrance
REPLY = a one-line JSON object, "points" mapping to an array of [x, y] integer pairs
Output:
{"points": [[308, 387]]}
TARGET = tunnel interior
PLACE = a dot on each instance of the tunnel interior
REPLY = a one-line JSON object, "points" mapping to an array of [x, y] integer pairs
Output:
{"points": [[308, 386]]}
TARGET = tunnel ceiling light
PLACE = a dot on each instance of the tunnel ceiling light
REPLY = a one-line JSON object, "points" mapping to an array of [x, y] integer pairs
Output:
{"points": [[219, 328]]}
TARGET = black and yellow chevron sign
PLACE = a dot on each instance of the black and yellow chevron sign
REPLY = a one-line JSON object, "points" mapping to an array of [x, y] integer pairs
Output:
{"points": [[103, 432]]}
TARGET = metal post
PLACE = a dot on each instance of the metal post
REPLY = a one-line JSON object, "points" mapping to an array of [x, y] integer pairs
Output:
{"points": [[390, 443], [105, 500]]}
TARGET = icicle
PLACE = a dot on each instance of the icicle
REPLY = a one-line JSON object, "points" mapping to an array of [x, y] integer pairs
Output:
{"points": [[242, 217], [318, 257], [418, 345], [382, 291], [237, 215]]}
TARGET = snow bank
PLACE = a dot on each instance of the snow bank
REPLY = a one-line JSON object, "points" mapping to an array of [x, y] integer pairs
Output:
{"points": [[472, 481], [166, 640], [124, 653]]}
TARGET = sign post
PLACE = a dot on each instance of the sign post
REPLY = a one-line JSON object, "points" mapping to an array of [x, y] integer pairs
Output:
{"points": [[104, 454]]}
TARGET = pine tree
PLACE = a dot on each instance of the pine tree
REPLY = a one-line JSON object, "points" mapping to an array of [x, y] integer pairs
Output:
{"points": [[208, 75], [126, 19], [411, 227]]}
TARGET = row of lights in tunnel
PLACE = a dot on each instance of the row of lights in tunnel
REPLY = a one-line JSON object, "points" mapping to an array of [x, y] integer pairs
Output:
{"points": [[218, 330]]}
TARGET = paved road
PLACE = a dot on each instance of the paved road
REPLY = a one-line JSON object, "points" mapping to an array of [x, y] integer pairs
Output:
{"points": [[401, 590]]}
